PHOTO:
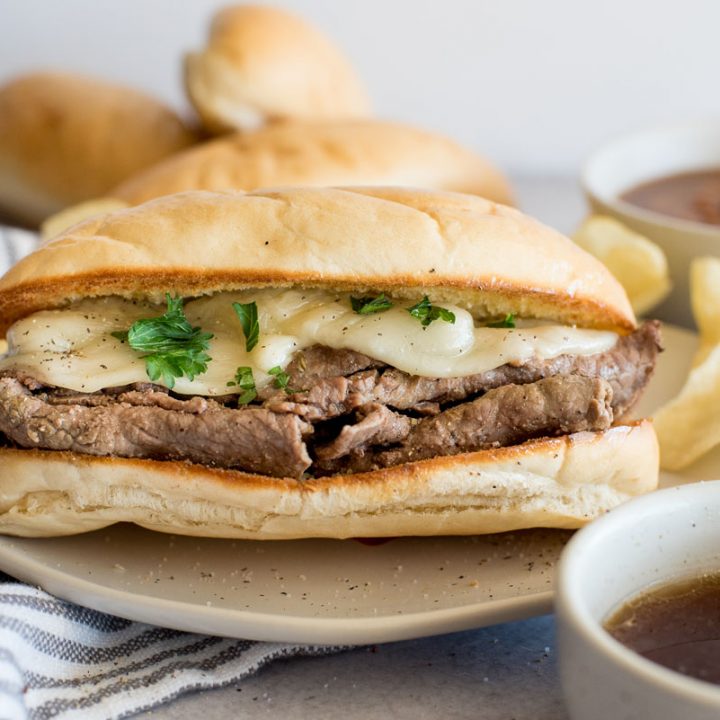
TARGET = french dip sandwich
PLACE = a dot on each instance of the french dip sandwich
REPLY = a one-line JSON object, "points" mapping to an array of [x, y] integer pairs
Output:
{"points": [[318, 363]]}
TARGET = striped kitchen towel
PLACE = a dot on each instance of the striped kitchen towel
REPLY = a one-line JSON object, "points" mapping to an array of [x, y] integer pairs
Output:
{"points": [[14, 244], [60, 661]]}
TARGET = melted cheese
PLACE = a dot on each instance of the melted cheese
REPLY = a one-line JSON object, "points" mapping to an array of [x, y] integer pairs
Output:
{"points": [[73, 348]]}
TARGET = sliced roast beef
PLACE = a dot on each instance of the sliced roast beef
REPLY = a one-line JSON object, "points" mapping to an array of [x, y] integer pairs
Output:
{"points": [[199, 430], [328, 397], [627, 367], [375, 425], [145, 393], [367, 414], [149, 396], [319, 362], [504, 416]]}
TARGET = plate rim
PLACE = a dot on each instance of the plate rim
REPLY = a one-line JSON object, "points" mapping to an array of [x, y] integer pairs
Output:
{"points": [[272, 627]]}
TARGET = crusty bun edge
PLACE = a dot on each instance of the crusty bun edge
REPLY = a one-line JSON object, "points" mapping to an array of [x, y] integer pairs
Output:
{"points": [[556, 482]]}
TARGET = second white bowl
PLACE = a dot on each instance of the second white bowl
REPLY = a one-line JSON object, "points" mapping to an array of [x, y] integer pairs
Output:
{"points": [[654, 539], [654, 153]]}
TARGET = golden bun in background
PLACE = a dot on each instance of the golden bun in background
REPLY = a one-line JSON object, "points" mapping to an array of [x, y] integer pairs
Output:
{"points": [[359, 152], [66, 138], [263, 64]]}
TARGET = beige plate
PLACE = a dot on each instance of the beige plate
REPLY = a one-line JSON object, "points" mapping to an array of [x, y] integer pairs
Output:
{"points": [[319, 591]]}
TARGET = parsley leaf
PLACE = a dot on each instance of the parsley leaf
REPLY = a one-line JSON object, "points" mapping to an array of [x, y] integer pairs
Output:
{"points": [[244, 378], [368, 305], [507, 322], [247, 314], [281, 379], [172, 347], [426, 312]]}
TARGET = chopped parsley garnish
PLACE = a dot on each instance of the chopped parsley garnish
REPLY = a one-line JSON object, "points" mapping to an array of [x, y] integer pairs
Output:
{"points": [[368, 305], [247, 314], [426, 312], [507, 322], [281, 379], [172, 347], [244, 378]]}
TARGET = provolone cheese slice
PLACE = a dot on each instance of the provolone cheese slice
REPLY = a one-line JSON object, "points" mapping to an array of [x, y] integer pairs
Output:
{"points": [[74, 348]]}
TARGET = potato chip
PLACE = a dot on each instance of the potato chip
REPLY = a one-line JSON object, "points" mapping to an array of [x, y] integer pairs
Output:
{"points": [[689, 425], [705, 301], [3, 347], [74, 214], [638, 264]]}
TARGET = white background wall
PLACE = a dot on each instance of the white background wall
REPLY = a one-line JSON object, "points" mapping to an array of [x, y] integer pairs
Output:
{"points": [[535, 84]]}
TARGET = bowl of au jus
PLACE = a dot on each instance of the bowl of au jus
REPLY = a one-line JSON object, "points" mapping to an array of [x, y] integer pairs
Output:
{"points": [[638, 610], [665, 184]]}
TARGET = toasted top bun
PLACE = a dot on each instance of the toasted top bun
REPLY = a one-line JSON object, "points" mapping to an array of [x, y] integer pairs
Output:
{"points": [[262, 63], [360, 152], [67, 138], [458, 249]]}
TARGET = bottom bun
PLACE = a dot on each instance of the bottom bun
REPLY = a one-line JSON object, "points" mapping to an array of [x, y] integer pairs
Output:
{"points": [[556, 482]]}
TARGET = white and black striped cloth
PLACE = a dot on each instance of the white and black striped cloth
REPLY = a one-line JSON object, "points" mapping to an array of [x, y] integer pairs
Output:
{"points": [[59, 660]]}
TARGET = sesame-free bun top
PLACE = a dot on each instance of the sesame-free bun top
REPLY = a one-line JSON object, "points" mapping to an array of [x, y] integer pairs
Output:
{"points": [[66, 138], [263, 64], [456, 248], [351, 152]]}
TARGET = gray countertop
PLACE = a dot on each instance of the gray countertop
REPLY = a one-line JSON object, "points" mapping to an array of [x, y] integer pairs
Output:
{"points": [[503, 672]]}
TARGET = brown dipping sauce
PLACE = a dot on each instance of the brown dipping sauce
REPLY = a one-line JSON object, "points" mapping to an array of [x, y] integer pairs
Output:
{"points": [[675, 625], [689, 196]]}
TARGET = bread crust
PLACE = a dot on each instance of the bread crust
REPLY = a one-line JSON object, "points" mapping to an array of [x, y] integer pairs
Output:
{"points": [[456, 248], [351, 152], [264, 63], [561, 482], [65, 138]]}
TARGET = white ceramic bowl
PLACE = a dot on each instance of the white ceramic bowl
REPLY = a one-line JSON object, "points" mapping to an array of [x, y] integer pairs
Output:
{"points": [[629, 160], [654, 539]]}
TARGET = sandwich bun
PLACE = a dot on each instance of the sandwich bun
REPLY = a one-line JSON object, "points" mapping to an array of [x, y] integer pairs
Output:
{"points": [[263, 64], [66, 138], [353, 152]]}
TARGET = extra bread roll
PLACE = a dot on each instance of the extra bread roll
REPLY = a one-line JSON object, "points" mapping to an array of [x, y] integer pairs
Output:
{"points": [[66, 138], [74, 214], [360, 152], [460, 249], [263, 64]]}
